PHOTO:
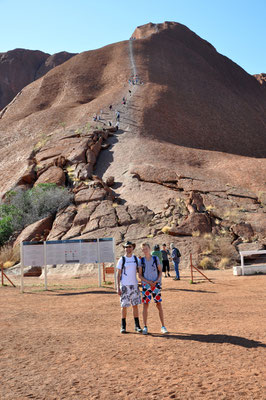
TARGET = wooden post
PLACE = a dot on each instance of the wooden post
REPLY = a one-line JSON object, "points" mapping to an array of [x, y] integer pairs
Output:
{"points": [[191, 268], [2, 275], [104, 273]]}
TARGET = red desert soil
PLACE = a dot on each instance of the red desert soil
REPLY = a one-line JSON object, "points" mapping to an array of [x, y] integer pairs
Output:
{"points": [[65, 344]]}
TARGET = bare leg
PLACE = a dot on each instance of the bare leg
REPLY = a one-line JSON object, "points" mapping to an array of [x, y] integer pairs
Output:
{"points": [[135, 311], [145, 313], [160, 309], [124, 312]]}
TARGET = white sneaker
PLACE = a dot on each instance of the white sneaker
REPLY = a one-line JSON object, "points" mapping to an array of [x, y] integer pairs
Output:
{"points": [[164, 330], [145, 330]]}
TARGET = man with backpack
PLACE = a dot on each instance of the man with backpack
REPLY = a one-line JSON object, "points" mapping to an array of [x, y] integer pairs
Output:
{"points": [[150, 274], [127, 285], [176, 259]]}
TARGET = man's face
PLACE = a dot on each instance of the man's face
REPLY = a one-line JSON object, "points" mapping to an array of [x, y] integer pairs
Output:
{"points": [[146, 250], [129, 251]]}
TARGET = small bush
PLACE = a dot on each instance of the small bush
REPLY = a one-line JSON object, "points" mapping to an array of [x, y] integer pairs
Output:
{"points": [[206, 263], [196, 233], [166, 229], [9, 255], [22, 208], [224, 263]]}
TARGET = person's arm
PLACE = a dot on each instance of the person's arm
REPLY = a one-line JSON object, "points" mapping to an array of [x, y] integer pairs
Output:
{"points": [[160, 270], [118, 279]]}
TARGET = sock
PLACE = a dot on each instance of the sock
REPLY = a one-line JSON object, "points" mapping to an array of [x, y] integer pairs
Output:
{"points": [[123, 324], [137, 322]]}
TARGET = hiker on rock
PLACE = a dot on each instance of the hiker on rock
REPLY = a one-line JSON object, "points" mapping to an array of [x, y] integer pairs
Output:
{"points": [[166, 266], [127, 285], [117, 115], [150, 274], [176, 260], [110, 107]]}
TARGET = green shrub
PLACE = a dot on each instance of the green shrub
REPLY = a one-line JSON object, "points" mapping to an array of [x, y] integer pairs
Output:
{"points": [[22, 208]]}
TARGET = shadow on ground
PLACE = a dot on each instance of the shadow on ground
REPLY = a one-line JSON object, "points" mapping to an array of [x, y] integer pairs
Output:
{"points": [[214, 338]]}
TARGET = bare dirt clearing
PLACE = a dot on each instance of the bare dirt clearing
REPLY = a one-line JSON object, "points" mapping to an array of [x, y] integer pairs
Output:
{"points": [[65, 344]]}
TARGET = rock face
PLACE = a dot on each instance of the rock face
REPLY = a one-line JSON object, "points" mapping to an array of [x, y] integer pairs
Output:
{"points": [[178, 162], [36, 231], [20, 67]]}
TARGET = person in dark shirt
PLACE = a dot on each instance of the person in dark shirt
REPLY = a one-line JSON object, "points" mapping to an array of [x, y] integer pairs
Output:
{"points": [[166, 266]]}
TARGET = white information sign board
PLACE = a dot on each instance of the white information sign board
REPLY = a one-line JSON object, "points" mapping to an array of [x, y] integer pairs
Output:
{"points": [[89, 251], [52, 252], [106, 250], [33, 254]]}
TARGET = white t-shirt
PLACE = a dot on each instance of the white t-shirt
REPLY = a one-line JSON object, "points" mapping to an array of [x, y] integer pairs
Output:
{"points": [[129, 273]]}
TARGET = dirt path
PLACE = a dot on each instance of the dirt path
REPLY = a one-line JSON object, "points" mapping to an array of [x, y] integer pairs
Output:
{"points": [[66, 344]]}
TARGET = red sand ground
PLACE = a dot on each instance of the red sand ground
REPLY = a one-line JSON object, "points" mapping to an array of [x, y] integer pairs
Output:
{"points": [[65, 344]]}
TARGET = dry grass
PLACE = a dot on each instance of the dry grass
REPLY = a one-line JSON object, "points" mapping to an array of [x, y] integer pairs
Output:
{"points": [[166, 229], [225, 262], [9, 256], [206, 263]]}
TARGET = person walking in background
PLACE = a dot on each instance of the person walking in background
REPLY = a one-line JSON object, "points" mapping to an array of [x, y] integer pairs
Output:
{"points": [[127, 285], [166, 266], [150, 274], [176, 260], [157, 252]]}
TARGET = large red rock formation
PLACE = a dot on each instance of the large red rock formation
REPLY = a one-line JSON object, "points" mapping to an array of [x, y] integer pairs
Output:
{"points": [[20, 67]]}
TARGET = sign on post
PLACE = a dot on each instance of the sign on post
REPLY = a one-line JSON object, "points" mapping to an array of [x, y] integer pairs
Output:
{"points": [[77, 251]]}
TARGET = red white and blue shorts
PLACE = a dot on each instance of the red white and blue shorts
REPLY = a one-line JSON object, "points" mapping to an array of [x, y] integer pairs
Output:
{"points": [[149, 291]]}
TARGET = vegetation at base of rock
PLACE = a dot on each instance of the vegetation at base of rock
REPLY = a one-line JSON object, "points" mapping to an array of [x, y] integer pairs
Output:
{"points": [[9, 255], [23, 207], [224, 263], [206, 263]]}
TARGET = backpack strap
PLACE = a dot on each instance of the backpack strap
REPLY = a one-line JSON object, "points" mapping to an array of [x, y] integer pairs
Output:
{"points": [[123, 269], [143, 265], [156, 263], [136, 261]]}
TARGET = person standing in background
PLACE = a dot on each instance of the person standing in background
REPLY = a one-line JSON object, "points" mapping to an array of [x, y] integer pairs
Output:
{"points": [[166, 266], [157, 252], [176, 259]]}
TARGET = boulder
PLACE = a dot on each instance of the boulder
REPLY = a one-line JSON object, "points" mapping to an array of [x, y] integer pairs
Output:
{"points": [[28, 176], [52, 175], [140, 213], [39, 228], [122, 215], [62, 223], [105, 214], [201, 223], [110, 181], [34, 271], [89, 194], [243, 230], [83, 215], [96, 148], [91, 157], [85, 172]]}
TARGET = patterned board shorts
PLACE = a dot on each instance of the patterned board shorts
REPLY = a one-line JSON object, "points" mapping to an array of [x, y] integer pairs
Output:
{"points": [[130, 295], [148, 292]]}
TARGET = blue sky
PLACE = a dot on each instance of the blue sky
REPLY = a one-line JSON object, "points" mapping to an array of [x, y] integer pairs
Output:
{"points": [[236, 28]]}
